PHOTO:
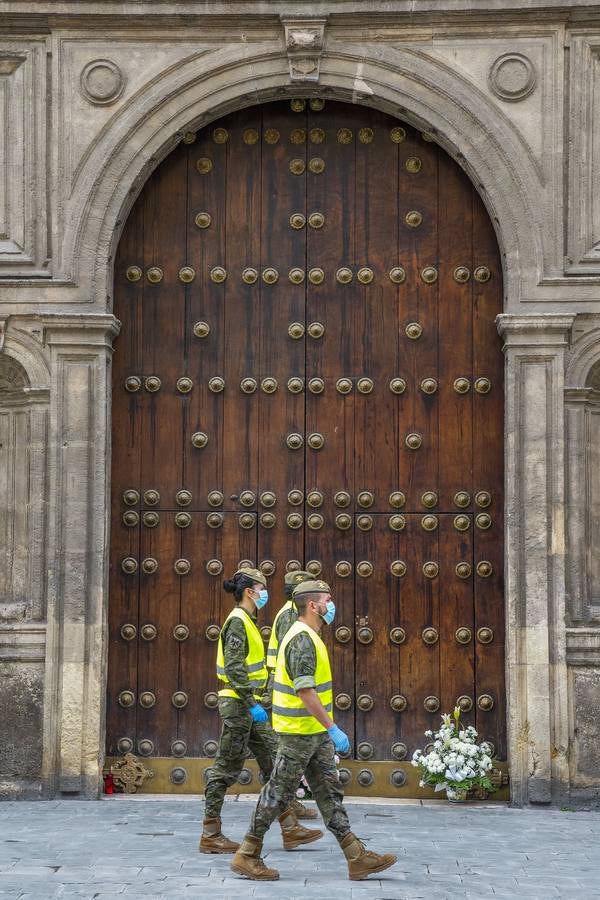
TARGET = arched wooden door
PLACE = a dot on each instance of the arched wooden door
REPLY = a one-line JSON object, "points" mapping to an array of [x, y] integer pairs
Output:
{"points": [[309, 374]]}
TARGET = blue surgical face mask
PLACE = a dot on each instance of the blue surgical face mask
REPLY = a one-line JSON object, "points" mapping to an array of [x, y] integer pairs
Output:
{"points": [[329, 615], [263, 597]]}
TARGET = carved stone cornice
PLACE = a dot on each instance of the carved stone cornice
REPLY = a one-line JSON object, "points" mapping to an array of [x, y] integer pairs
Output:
{"points": [[542, 330], [583, 646], [80, 330]]}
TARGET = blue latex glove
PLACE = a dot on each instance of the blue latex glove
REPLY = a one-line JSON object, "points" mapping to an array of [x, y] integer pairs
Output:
{"points": [[258, 713], [339, 738]]}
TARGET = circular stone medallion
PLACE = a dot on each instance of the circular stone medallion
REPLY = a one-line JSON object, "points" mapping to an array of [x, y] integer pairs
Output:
{"points": [[102, 82], [512, 77]]}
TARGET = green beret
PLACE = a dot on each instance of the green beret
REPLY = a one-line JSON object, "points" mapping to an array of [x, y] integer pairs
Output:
{"points": [[311, 587], [295, 578], [255, 574]]}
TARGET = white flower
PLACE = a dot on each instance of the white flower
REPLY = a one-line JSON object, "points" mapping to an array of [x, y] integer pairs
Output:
{"points": [[300, 793]]}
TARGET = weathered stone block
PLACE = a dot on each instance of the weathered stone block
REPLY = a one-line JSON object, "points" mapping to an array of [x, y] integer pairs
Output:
{"points": [[21, 714]]}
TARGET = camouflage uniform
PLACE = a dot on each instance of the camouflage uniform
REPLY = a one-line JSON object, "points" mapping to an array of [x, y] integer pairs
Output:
{"points": [[311, 755], [282, 626], [285, 622], [240, 734]]}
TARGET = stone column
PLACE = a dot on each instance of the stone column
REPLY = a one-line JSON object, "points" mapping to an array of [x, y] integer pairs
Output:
{"points": [[80, 350], [535, 555]]}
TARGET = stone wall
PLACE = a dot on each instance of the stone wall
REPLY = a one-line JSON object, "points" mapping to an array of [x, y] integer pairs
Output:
{"points": [[94, 95]]}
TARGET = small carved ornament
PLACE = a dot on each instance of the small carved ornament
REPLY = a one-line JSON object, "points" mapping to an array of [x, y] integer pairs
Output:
{"points": [[129, 773]]}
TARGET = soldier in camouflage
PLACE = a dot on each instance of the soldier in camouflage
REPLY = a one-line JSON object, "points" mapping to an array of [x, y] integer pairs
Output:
{"points": [[241, 669], [308, 739], [282, 623]]}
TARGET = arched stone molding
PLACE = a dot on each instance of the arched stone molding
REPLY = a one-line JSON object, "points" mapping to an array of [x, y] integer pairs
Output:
{"points": [[405, 83], [585, 351], [593, 379], [23, 342], [13, 377]]}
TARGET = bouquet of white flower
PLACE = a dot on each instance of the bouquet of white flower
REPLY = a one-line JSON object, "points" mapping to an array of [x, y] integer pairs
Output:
{"points": [[457, 763]]}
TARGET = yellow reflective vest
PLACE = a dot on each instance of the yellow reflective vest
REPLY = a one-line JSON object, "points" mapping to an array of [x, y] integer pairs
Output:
{"points": [[290, 716], [273, 641], [255, 662]]}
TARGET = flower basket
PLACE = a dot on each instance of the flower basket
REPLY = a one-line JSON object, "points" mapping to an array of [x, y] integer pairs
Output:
{"points": [[457, 762], [457, 794]]}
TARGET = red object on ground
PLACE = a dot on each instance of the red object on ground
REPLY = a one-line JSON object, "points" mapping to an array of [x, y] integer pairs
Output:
{"points": [[109, 785]]}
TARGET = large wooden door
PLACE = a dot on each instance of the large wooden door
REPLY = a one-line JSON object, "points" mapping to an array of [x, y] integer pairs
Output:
{"points": [[308, 374]]}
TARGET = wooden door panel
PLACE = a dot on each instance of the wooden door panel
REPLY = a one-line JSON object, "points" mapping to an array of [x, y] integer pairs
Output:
{"points": [[240, 219], [374, 353], [378, 592], [214, 552], [330, 305], [414, 586], [330, 550], [488, 440], [205, 325], [455, 327], [163, 334], [419, 660], [418, 254], [279, 546], [456, 614], [123, 630], [243, 209], [158, 657], [280, 402]]}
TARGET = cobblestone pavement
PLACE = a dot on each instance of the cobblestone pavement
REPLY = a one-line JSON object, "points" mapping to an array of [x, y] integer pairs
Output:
{"points": [[122, 848]]}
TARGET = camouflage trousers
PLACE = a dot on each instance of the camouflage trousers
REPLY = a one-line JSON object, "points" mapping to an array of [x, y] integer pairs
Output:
{"points": [[240, 735], [313, 756]]}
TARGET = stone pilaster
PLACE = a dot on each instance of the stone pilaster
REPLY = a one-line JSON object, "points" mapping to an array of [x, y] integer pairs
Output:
{"points": [[535, 556], [80, 351]]}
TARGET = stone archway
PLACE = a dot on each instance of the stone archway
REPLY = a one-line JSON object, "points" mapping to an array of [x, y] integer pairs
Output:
{"points": [[419, 89]]}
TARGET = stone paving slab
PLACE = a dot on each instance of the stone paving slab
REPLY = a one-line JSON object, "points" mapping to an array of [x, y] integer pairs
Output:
{"points": [[123, 848]]}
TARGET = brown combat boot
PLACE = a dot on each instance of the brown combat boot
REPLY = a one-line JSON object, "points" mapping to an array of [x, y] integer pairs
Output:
{"points": [[301, 811], [294, 834], [363, 862], [248, 862], [213, 840]]}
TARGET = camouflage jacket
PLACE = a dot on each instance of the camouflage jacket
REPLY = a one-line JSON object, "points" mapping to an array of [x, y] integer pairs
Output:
{"points": [[301, 661], [285, 622], [235, 650]]}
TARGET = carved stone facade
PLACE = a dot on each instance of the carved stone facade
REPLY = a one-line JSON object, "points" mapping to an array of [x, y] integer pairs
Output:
{"points": [[94, 96]]}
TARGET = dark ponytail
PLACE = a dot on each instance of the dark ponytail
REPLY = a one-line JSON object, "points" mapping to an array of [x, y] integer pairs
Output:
{"points": [[237, 585]]}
